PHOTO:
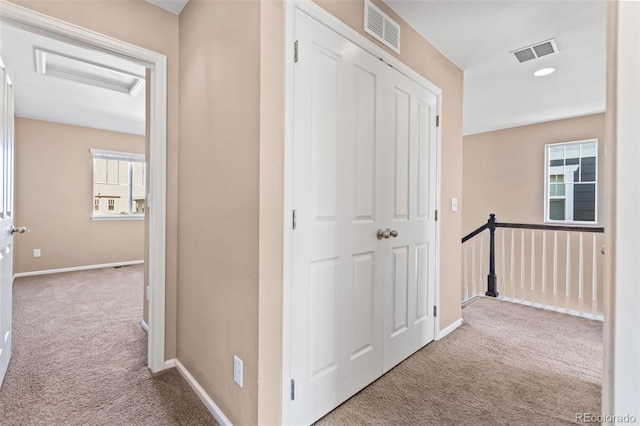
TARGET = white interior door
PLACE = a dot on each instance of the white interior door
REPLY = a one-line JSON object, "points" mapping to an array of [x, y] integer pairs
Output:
{"points": [[6, 218], [410, 194], [364, 156], [337, 285]]}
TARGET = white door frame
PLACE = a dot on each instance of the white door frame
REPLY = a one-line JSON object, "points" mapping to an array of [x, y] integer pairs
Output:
{"points": [[156, 214], [621, 390], [350, 34]]}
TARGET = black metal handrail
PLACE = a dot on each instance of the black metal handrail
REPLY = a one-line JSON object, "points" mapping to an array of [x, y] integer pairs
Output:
{"points": [[550, 227], [492, 224], [472, 234]]}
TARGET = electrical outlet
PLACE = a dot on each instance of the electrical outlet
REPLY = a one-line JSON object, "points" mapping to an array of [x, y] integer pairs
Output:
{"points": [[237, 370], [36, 253]]}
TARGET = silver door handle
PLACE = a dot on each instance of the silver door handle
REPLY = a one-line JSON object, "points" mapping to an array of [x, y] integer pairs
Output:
{"points": [[19, 230], [386, 233], [383, 234]]}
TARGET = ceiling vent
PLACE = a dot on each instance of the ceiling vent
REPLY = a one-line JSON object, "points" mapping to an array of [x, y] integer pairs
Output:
{"points": [[80, 70], [537, 50], [380, 26]]}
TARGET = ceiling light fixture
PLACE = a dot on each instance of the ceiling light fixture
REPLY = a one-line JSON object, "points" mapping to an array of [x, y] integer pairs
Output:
{"points": [[544, 71]]}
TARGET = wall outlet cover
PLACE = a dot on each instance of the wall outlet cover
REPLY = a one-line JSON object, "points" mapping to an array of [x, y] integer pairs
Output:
{"points": [[237, 370]]}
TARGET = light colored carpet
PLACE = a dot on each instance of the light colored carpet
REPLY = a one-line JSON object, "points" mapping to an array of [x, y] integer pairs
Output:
{"points": [[507, 364], [79, 356]]}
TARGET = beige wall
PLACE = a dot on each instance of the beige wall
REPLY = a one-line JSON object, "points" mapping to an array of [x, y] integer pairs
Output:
{"points": [[504, 169], [54, 198], [145, 25], [271, 213], [218, 199]]}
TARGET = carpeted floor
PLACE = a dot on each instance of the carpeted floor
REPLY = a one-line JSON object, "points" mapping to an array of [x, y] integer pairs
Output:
{"points": [[507, 364], [79, 356]]}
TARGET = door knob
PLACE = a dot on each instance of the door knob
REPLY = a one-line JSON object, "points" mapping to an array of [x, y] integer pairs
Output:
{"points": [[19, 230], [383, 234], [386, 233]]}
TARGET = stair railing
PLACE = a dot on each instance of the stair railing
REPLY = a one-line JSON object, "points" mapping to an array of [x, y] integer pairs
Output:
{"points": [[540, 281]]}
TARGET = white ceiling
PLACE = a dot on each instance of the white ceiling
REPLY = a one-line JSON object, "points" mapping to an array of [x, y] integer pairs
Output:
{"points": [[500, 92], [48, 98], [477, 35]]}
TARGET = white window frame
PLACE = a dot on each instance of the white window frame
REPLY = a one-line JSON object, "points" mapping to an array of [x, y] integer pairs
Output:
{"points": [[101, 154], [547, 149]]}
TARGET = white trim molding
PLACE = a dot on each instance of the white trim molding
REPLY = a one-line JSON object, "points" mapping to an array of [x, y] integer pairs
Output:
{"points": [[118, 217], [448, 329], [202, 394], [621, 381], [571, 312], [104, 154], [77, 268], [30, 20]]}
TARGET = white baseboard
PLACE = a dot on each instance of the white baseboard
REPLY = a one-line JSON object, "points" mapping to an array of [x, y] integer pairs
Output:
{"points": [[448, 329], [144, 326], [77, 268], [170, 363], [553, 308], [202, 394]]}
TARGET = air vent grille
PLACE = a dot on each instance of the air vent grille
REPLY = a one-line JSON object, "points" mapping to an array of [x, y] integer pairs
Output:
{"points": [[381, 27], [537, 50]]}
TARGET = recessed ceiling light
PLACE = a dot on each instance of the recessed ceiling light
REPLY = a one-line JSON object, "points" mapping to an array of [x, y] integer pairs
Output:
{"points": [[544, 71]]}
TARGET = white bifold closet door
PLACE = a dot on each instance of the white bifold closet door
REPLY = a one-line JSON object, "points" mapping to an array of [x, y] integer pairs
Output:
{"points": [[364, 159]]}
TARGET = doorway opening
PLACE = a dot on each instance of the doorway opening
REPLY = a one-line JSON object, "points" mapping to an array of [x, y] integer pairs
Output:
{"points": [[156, 64]]}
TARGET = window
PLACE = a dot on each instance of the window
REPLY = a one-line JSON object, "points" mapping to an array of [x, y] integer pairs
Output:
{"points": [[118, 177], [571, 189]]}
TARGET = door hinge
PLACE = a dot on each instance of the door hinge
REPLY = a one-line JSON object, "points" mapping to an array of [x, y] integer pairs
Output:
{"points": [[435, 311], [437, 121], [436, 215], [293, 389], [295, 51], [295, 219]]}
